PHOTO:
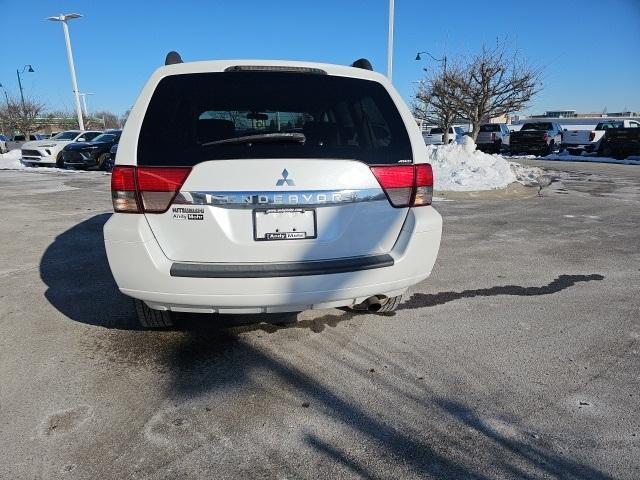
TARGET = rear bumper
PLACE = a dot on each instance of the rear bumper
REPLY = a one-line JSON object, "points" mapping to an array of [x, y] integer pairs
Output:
{"points": [[142, 271], [494, 146], [529, 147]]}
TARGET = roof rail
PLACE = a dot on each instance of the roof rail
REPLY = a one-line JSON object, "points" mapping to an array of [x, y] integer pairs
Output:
{"points": [[172, 58], [362, 63]]}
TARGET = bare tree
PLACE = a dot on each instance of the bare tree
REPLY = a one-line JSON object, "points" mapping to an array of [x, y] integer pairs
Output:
{"points": [[104, 119], [123, 118], [64, 120], [494, 83], [24, 116], [435, 101]]}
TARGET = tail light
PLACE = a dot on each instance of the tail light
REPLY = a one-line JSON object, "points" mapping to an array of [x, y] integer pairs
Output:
{"points": [[592, 136], [406, 185], [493, 136], [145, 189], [546, 136]]}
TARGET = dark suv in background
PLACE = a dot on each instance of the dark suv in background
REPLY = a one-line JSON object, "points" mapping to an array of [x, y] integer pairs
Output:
{"points": [[91, 155]]}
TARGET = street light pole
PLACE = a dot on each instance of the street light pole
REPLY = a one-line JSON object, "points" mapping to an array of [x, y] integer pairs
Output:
{"points": [[84, 103], [442, 60], [20, 83], [74, 83], [390, 42]]}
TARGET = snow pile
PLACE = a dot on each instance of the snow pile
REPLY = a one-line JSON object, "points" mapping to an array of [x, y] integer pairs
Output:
{"points": [[460, 167], [11, 160], [566, 157]]}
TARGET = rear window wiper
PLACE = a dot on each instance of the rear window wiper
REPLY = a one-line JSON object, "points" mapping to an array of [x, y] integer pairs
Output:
{"points": [[261, 138]]}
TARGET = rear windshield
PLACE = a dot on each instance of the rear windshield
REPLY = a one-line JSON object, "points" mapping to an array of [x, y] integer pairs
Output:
{"points": [[607, 125], [490, 128], [235, 115], [435, 131], [537, 126]]}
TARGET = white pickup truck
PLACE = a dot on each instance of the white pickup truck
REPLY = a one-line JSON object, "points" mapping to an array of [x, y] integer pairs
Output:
{"points": [[578, 141]]}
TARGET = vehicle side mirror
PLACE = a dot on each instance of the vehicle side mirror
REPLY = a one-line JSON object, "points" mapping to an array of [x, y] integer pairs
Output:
{"points": [[564, 130], [81, 139]]}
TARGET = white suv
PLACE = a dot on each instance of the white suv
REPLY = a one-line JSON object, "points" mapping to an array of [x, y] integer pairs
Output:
{"points": [[269, 186], [48, 152]]}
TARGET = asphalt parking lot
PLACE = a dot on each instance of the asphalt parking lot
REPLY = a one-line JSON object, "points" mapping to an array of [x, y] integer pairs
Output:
{"points": [[518, 358]]}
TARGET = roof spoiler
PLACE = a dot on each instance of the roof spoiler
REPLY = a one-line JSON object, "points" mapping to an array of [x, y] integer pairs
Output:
{"points": [[362, 63], [172, 58]]}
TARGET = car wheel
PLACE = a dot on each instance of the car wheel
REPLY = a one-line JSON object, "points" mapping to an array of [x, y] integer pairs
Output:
{"points": [[604, 150], [551, 148], [150, 318], [102, 159], [59, 161], [107, 166], [390, 305], [574, 151]]}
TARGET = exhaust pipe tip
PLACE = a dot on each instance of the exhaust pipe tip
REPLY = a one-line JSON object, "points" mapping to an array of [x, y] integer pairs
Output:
{"points": [[373, 304]]}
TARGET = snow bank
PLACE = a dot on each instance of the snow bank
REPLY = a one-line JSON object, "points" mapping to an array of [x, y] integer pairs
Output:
{"points": [[11, 160], [460, 167], [566, 157]]}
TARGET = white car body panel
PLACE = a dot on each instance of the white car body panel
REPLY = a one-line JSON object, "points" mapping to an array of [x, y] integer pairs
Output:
{"points": [[142, 248]]}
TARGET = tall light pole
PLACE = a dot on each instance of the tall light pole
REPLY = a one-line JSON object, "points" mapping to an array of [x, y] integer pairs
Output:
{"points": [[84, 103], [74, 83], [390, 42], [18, 73]]}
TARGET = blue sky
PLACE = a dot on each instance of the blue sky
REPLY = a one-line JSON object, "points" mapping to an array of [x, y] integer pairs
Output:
{"points": [[590, 50]]}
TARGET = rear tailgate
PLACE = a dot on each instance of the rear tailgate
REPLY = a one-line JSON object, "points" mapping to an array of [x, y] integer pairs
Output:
{"points": [[227, 207], [528, 137], [576, 137]]}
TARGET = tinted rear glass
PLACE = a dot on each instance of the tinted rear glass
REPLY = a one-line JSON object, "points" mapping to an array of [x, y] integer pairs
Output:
{"points": [[207, 116], [607, 125], [543, 127], [435, 131], [490, 128]]}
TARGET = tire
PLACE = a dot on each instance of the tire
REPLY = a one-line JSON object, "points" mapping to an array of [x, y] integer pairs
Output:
{"points": [[604, 150], [102, 159], [59, 161], [149, 318], [498, 146], [551, 148], [107, 166], [390, 305], [574, 151]]}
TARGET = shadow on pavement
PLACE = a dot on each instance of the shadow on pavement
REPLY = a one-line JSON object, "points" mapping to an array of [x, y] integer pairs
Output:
{"points": [[419, 300]]}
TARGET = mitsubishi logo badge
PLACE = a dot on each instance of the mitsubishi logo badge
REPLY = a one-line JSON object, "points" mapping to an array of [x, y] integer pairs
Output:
{"points": [[285, 180]]}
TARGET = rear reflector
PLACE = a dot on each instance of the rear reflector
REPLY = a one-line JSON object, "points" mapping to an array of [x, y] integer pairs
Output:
{"points": [[145, 189], [406, 185]]}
